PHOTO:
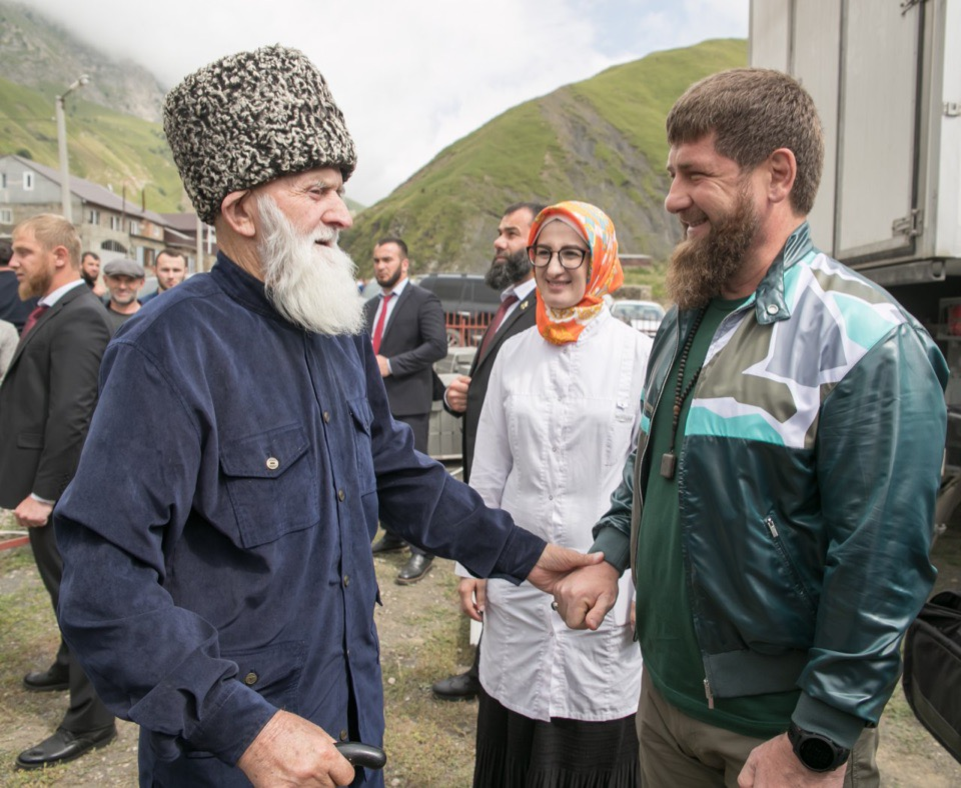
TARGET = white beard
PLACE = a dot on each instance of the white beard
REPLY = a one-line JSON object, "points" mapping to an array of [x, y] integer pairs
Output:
{"points": [[312, 285]]}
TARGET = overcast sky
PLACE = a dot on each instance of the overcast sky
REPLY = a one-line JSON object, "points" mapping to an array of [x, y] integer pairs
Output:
{"points": [[411, 77]]}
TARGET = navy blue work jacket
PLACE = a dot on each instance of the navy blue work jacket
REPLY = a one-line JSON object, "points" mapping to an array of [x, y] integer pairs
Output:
{"points": [[216, 536]]}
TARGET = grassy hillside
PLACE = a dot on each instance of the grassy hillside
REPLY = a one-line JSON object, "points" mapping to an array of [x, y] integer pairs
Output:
{"points": [[104, 146], [601, 140]]}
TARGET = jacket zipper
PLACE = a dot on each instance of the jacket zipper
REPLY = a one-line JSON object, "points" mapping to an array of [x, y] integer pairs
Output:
{"points": [[708, 694], [782, 551]]}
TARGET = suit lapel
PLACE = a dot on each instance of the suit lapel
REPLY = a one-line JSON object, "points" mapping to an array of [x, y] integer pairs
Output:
{"points": [[402, 299], [503, 330], [44, 320]]}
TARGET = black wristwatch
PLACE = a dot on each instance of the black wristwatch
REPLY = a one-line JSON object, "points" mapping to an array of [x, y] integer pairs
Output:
{"points": [[818, 753]]}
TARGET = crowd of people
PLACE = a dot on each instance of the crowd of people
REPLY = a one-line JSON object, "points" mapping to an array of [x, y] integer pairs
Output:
{"points": [[766, 469]]}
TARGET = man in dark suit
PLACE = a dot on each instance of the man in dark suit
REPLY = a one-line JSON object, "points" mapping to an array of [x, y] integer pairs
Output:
{"points": [[511, 273], [46, 402], [407, 328]]}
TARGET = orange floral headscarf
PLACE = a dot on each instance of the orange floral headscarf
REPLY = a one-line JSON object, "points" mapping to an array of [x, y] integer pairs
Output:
{"points": [[561, 326]]}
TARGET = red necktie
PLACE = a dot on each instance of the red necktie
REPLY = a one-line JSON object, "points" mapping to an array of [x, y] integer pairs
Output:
{"points": [[379, 328], [32, 318], [506, 304]]}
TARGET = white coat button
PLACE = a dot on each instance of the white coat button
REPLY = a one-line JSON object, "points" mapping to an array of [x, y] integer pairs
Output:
{"points": [[273, 463], [773, 309]]}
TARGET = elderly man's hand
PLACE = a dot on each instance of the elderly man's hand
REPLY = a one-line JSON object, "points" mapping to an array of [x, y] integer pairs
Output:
{"points": [[32, 513], [774, 765], [456, 394], [290, 751], [473, 597], [384, 366], [584, 597], [556, 563]]}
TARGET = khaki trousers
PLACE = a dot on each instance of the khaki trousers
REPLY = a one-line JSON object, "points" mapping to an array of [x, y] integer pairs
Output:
{"points": [[677, 751]]}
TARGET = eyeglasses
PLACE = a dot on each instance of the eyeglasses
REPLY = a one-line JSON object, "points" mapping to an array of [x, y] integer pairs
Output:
{"points": [[570, 257]]}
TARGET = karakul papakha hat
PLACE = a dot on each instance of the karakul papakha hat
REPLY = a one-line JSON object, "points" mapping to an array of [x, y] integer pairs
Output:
{"points": [[250, 118]]}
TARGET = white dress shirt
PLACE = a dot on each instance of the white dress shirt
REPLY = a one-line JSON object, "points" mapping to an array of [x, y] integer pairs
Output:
{"points": [[557, 425]]}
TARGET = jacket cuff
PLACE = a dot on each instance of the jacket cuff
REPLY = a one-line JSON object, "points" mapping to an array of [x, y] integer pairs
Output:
{"points": [[615, 545], [521, 552], [816, 716], [238, 719]]}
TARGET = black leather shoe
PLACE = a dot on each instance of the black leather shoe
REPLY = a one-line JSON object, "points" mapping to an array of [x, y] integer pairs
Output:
{"points": [[387, 544], [462, 687], [64, 746], [416, 569], [53, 680]]}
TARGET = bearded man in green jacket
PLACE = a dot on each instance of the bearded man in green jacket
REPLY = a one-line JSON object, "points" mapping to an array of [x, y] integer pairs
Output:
{"points": [[777, 513]]}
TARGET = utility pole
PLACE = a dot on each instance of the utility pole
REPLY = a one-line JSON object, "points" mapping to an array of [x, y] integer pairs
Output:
{"points": [[62, 145]]}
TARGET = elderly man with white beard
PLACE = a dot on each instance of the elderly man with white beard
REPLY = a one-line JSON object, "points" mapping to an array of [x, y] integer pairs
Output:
{"points": [[222, 595]]}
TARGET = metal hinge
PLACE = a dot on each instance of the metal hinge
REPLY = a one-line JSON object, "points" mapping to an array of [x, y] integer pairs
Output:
{"points": [[907, 5], [952, 109], [909, 225]]}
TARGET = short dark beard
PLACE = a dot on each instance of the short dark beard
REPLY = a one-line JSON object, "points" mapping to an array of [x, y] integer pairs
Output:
{"points": [[389, 284], [516, 268], [701, 267], [86, 278]]}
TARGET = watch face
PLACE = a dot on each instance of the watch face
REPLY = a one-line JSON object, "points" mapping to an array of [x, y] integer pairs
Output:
{"points": [[816, 754]]}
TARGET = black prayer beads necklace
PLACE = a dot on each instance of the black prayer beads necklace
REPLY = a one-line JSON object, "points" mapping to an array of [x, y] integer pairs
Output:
{"points": [[669, 459]]}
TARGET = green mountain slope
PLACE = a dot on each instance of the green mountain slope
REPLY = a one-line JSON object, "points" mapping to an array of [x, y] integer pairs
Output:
{"points": [[104, 146], [601, 140]]}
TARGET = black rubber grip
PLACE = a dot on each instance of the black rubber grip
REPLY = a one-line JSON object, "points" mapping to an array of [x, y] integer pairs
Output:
{"points": [[362, 754]]}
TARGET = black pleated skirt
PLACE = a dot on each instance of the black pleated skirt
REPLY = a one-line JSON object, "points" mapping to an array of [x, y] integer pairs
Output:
{"points": [[514, 751]]}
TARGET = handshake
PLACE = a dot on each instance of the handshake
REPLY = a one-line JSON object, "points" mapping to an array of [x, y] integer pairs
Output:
{"points": [[584, 587]]}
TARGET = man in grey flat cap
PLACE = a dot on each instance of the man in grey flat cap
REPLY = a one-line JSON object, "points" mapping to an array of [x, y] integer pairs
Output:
{"points": [[123, 279], [237, 626]]}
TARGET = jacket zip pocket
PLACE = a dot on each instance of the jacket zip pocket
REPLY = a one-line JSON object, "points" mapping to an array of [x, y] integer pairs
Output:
{"points": [[788, 563]]}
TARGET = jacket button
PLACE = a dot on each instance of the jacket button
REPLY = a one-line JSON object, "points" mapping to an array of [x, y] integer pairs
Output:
{"points": [[773, 309], [273, 463], [341, 495], [344, 735], [250, 679], [346, 580], [326, 417]]}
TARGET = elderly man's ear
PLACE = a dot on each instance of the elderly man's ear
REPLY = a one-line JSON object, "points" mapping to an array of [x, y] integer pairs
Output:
{"points": [[238, 209]]}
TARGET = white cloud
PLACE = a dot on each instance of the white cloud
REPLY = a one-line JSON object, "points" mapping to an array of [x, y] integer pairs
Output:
{"points": [[411, 77]]}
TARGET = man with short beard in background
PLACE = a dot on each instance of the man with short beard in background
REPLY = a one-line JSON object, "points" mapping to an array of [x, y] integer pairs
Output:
{"points": [[777, 513], [170, 268], [222, 594], [90, 273], [406, 325], [510, 272]]}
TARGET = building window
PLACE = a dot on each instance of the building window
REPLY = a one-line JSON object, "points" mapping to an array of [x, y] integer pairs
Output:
{"points": [[116, 223], [113, 246], [3, 180], [28, 181], [6, 216], [134, 227], [93, 217]]}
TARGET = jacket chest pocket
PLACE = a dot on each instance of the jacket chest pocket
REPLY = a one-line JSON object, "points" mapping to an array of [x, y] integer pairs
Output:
{"points": [[363, 418], [271, 480]]}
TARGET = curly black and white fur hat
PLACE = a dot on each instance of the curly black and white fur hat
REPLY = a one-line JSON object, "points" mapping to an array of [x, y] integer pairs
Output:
{"points": [[250, 118]]}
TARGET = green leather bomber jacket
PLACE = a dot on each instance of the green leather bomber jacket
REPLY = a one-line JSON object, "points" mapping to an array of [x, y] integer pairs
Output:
{"points": [[807, 479]]}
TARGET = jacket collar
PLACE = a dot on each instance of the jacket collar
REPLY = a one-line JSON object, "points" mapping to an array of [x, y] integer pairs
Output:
{"points": [[243, 287], [769, 304]]}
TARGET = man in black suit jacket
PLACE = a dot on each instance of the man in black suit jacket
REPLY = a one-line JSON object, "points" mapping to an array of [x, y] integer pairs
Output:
{"points": [[511, 273], [46, 402], [408, 331]]}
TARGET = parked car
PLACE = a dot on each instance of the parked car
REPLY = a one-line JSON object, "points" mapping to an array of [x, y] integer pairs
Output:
{"points": [[645, 316]]}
